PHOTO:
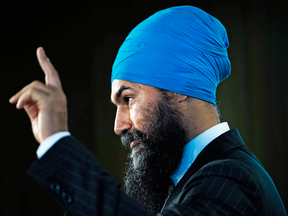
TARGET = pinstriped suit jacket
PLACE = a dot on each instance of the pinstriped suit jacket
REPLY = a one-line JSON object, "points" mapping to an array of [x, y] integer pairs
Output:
{"points": [[225, 179]]}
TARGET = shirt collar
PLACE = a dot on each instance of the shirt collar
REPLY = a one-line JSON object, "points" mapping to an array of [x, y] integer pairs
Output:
{"points": [[195, 146]]}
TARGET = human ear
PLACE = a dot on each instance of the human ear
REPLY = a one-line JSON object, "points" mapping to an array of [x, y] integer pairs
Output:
{"points": [[180, 98]]}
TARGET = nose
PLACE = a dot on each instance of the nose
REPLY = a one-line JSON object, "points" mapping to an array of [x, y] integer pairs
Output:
{"points": [[122, 120]]}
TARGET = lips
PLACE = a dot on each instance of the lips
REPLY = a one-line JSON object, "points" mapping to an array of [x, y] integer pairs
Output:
{"points": [[133, 143]]}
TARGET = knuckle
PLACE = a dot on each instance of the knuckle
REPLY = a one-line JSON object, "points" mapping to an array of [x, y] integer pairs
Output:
{"points": [[35, 83]]}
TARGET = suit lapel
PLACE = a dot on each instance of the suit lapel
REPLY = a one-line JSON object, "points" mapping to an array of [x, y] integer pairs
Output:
{"points": [[218, 147], [222, 144]]}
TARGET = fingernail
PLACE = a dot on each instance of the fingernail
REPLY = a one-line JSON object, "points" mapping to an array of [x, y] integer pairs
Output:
{"points": [[43, 51]]}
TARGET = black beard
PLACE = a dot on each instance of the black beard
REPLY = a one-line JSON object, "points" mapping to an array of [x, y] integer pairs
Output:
{"points": [[156, 157]]}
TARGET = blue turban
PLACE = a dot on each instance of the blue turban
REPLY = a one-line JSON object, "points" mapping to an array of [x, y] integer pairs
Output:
{"points": [[181, 49]]}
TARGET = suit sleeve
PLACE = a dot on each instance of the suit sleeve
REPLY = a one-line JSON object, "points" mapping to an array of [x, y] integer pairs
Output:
{"points": [[71, 174]]}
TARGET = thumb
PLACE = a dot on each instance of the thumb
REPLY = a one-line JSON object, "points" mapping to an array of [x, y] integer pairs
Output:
{"points": [[51, 75]]}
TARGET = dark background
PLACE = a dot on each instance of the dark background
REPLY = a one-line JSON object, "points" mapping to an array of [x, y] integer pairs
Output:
{"points": [[82, 40]]}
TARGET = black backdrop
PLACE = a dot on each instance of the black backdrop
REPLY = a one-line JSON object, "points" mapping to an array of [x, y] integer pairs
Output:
{"points": [[82, 40]]}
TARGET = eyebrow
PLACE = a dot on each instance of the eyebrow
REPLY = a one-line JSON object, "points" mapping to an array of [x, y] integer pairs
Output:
{"points": [[119, 92]]}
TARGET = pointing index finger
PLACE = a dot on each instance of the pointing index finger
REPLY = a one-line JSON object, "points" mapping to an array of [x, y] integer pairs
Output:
{"points": [[51, 75]]}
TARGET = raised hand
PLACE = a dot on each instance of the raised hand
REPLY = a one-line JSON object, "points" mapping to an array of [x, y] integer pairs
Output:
{"points": [[45, 104]]}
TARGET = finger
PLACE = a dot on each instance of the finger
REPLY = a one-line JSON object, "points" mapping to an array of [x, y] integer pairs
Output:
{"points": [[13, 99], [36, 84], [30, 96], [51, 75], [32, 110]]}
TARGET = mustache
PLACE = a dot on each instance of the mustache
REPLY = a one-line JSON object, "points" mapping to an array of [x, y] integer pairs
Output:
{"points": [[127, 137]]}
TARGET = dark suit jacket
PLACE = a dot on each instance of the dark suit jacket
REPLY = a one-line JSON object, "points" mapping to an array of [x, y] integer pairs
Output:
{"points": [[225, 179]]}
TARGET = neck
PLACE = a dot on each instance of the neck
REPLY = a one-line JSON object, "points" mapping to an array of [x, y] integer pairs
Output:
{"points": [[199, 116]]}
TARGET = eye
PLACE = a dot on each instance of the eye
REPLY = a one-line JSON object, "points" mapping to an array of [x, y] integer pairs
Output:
{"points": [[128, 100]]}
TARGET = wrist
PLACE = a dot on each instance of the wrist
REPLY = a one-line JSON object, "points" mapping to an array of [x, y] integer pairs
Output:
{"points": [[49, 142]]}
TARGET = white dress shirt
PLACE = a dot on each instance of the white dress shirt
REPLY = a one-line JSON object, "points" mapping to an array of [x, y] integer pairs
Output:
{"points": [[195, 146], [49, 142]]}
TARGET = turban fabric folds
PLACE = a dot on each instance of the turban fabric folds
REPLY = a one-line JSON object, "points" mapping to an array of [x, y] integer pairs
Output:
{"points": [[181, 49]]}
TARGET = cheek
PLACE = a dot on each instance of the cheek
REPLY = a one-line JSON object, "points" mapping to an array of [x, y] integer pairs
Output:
{"points": [[137, 118]]}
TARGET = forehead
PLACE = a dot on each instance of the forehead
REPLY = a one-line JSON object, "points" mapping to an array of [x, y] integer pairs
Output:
{"points": [[117, 84]]}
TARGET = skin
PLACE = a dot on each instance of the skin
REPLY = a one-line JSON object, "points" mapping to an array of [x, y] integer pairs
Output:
{"points": [[132, 99], [130, 103], [46, 105]]}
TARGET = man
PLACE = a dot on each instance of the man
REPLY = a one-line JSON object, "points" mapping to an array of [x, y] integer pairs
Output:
{"points": [[183, 160]]}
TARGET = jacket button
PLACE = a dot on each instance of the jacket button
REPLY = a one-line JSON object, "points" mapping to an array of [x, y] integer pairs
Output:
{"points": [[67, 198], [55, 187]]}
